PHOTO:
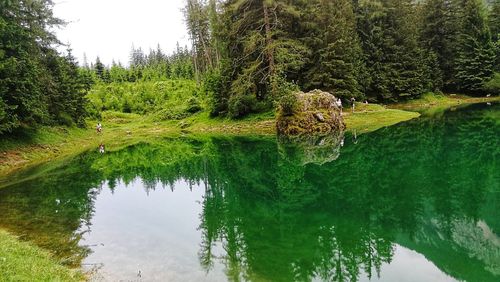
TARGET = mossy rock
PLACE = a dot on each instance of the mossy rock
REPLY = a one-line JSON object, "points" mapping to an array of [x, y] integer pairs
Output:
{"points": [[314, 113]]}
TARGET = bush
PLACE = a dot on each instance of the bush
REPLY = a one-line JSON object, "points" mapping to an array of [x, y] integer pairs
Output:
{"points": [[193, 106], [288, 104], [65, 119], [212, 88], [493, 85], [144, 97], [171, 114], [241, 105]]}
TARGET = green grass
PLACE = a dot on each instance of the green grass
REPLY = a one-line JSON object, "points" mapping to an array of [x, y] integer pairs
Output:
{"points": [[370, 117], [32, 146], [21, 261], [431, 103]]}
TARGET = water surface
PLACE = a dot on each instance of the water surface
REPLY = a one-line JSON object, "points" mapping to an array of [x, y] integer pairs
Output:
{"points": [[419, 201]]}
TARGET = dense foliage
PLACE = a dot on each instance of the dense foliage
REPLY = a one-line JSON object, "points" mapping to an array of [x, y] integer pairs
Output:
{"points": [[37, 84], [255, 51], [248, 54], [155, 66], [153, 83], [169, 99]]}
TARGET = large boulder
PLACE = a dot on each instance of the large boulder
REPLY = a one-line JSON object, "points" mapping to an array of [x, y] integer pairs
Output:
{"points": [[310, 113]]}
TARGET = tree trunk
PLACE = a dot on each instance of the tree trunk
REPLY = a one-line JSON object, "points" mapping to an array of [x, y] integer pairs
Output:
{"points": [[269, 48]]}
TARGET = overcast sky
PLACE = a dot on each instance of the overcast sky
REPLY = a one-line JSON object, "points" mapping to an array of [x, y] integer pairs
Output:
{"points": [[108, 28]]}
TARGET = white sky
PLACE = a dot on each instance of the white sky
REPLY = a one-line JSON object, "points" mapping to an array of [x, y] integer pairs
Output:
{"points": [[108, 28]]}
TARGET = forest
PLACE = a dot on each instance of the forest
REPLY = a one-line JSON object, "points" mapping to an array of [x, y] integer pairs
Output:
{"points": [[248, 55], [256, 51]]}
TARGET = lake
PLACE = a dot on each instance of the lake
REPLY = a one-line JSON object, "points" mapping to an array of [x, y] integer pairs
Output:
{"points": [[418, 201]]}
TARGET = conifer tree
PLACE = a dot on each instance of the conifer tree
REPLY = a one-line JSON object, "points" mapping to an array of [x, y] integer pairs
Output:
{"points": [[440, 29], [394, 60], [197, 20], [262, 51], [494, 24], [99, 69], [335, 64], [494, 20], [35, 78], [476, 54]]}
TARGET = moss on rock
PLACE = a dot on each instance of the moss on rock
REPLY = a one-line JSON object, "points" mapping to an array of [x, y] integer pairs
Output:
{"points": [[314, 113]]}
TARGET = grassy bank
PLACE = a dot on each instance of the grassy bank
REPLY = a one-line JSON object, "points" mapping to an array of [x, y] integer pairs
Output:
{"points": [[21, 261], [431, 102], [47, 143]]}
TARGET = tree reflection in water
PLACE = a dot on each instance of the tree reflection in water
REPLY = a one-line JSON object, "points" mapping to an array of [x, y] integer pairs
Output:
{"points": [[293, 212]]}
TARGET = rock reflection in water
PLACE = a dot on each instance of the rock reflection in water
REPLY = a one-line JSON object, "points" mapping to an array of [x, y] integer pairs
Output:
{"points": [[316, 149], [280, 211]]}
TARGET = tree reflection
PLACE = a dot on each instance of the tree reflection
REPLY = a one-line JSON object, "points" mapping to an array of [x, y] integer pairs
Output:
{"points": [[294, 212]]}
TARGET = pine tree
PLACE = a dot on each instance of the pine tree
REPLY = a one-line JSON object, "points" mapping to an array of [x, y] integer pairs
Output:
{"points": [[331, 36], [494, 20], [33, 75], [75, 90], [262, 51], [197, 19], [85, 61], [494, 24], [137, 58], [440, 29], [99, 69], [395, 62], [475, 62]]}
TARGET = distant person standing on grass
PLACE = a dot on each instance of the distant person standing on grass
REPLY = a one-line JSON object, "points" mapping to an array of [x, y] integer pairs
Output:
{"points": [[99, 127], [353, 102], [339, 104]]}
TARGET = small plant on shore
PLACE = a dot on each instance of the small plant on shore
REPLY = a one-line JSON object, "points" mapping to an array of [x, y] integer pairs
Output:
{"points": [[288, 104]]}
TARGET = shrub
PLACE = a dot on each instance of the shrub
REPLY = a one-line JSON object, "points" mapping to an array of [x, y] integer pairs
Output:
{"points": [[171, 114], [288, 104], [493, 85], [144, 97], [240, 105], [65, 119], [212, 88], [193, 106]]}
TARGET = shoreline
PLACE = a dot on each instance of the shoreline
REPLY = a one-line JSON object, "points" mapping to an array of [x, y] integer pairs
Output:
{"points": [[121, 130], [23, 261]]}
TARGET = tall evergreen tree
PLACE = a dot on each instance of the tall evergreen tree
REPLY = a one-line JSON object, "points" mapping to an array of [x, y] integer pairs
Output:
{"points": [[394, 59], [440, 30], [34, 78], [99, 69], [262, 50], [330, 34], [197, 20], [494, 24], [475, 61]]}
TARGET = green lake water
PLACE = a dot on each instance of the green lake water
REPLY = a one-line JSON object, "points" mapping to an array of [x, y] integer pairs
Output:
{"points": [[418, 201]]}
